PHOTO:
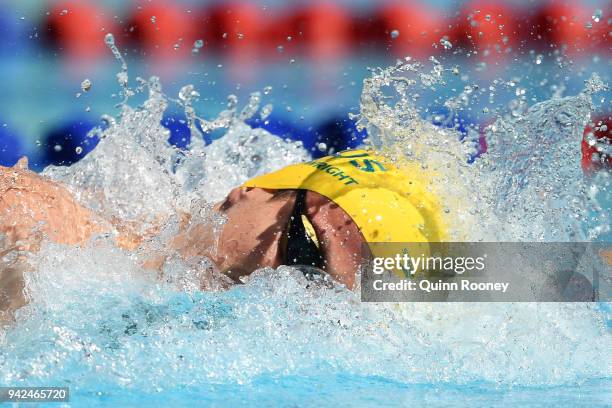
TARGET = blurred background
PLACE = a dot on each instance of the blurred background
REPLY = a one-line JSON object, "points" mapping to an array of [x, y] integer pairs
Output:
{"points": [[309, 59]]}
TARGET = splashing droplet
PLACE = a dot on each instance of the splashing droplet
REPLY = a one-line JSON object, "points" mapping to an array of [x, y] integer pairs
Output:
{"points": [[109, 39], [122, 78], [596, 16], [197, 45], [395, 34], [594, 84], [188, 93], [446, 43], [265, 111], [86, 85]]}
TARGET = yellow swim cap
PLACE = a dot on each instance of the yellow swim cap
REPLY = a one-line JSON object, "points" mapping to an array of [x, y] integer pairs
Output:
{"points": [[388, 202]]}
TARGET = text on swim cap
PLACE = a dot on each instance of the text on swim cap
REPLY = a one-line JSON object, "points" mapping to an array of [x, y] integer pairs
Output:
{"points": [[333, 171]]}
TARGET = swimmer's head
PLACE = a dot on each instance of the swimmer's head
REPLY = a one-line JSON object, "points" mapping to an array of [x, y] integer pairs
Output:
{"points": [[389, 202], [255, 234]]}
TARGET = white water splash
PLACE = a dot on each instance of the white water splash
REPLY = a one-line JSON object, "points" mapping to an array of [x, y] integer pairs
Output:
{"points": [[134, 174], [529, 186], [98, 319], [137, 333]]}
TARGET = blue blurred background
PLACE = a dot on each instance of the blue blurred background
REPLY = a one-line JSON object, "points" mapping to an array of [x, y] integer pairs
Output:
{"points": [[313, 54]]}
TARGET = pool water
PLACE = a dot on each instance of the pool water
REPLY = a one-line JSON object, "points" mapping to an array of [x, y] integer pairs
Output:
{"points": [[354, 391], [279, 340], [119, 336]]}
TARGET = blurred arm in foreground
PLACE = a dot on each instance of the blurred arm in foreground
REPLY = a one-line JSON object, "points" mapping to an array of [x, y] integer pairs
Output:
{"points": [[34, 208]]}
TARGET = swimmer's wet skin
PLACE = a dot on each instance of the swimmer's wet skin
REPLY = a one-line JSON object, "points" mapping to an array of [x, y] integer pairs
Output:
{"points": [[387, 202], [319, 213]]}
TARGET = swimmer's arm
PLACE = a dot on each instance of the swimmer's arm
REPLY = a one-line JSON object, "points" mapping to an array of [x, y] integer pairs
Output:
{"points": [[194, 239], [31, 205], [12, 296], [254, 220]]}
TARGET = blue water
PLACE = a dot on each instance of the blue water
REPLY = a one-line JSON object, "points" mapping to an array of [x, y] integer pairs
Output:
{"points": [[345, 390], [278, 341], [118, 336]]}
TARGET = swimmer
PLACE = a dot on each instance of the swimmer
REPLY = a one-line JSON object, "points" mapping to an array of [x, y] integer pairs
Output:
{"points": [[321, 214]]}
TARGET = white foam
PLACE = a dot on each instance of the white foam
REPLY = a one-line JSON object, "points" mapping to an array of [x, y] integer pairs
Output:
{"points": [[96, 317]]}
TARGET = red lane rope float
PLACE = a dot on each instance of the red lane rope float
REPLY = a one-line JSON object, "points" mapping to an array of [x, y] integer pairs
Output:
{"points": [[236, 28], [163, 29], [77, 28], [284, 34], [571, 25], [326, 30], [414, 29], [370, 32], [321, 30], [489, 28], [597, 144]]}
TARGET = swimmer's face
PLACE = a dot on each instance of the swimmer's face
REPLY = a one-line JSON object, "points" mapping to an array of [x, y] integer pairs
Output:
{"points": [[256, 221]]}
